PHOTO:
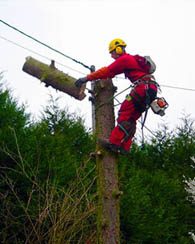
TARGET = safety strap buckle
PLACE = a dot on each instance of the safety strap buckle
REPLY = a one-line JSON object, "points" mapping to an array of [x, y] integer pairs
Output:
{"points": [[147, 80]]}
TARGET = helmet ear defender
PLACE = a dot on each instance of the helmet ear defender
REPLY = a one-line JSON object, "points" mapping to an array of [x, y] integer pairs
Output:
{"points": [[119, 50], [118, 45]]}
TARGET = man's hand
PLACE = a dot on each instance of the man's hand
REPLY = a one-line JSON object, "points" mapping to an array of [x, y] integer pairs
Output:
{"points": [[80, 82]]}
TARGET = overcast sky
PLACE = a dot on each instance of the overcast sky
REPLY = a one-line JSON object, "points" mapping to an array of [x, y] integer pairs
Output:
{"points": [[163, 29]]}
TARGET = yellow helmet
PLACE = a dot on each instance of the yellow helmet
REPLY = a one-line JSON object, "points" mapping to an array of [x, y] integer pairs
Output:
{"points": [[116, 43]]}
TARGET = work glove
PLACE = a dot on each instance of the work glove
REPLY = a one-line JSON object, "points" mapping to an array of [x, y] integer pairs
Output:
{"points": [[80, 82]]}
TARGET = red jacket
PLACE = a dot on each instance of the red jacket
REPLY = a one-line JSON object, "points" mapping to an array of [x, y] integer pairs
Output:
{"points": [[126, 64]]}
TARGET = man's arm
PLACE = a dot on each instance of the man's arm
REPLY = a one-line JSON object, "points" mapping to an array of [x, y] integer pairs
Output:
{"points": [[102, 73], [117, 67]]}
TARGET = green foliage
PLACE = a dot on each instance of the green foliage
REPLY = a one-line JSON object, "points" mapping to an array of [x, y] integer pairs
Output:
{"points": [[12, 117], [155, 207], [58, 144], [45, 158]]}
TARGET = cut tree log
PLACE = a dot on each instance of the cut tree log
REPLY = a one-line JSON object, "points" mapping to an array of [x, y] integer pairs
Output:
{"points": [[53, 77]]}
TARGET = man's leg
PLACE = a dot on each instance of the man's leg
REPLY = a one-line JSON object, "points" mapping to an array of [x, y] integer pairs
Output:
{"points": [[123, 133]]}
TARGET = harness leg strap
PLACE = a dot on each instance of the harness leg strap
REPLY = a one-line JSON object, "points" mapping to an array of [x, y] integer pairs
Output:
{"points": [[128, 128]]}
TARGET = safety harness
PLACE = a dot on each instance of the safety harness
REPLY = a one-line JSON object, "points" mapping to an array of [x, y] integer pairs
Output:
{"points": [[144, 103]]}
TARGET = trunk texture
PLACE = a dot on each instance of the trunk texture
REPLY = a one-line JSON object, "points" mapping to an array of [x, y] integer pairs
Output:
{"points": [[53, 77], [108, 223]]}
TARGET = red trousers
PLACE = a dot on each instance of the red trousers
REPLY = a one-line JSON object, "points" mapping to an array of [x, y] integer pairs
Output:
{"points": [[130, 111]]}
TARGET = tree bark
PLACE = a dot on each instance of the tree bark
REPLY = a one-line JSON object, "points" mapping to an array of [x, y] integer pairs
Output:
{"points": [[53, 77], [108, 223]]}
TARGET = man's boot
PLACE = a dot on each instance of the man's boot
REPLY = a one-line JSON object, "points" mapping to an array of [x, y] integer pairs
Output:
{"points": [[108, 145], [112, 147]]}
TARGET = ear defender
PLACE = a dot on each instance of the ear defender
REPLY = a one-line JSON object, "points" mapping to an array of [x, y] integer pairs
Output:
{"points": [[119, 50]]}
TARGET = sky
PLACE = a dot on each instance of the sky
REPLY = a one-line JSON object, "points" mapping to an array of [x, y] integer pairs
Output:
{"points": [[163, 29]]}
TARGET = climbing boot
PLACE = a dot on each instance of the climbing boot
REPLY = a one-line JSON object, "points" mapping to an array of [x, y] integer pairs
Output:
{"points": [[112, 147], [123, 151], [108, 145]]}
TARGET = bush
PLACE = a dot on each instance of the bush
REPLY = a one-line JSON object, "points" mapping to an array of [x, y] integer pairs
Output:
{"points": [[155, 207]]}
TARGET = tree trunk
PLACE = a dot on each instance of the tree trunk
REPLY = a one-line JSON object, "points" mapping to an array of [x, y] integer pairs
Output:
{"points": [[108, 223], [53, 77]]}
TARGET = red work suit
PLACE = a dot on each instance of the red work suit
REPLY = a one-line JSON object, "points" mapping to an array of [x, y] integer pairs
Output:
{"points": [[133, 106]]}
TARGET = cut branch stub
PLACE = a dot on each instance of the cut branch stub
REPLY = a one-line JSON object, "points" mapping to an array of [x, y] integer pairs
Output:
{"points": [[53, 77]]}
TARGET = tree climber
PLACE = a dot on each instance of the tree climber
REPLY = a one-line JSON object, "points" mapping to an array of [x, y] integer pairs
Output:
{"points": [[144, 91]]}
